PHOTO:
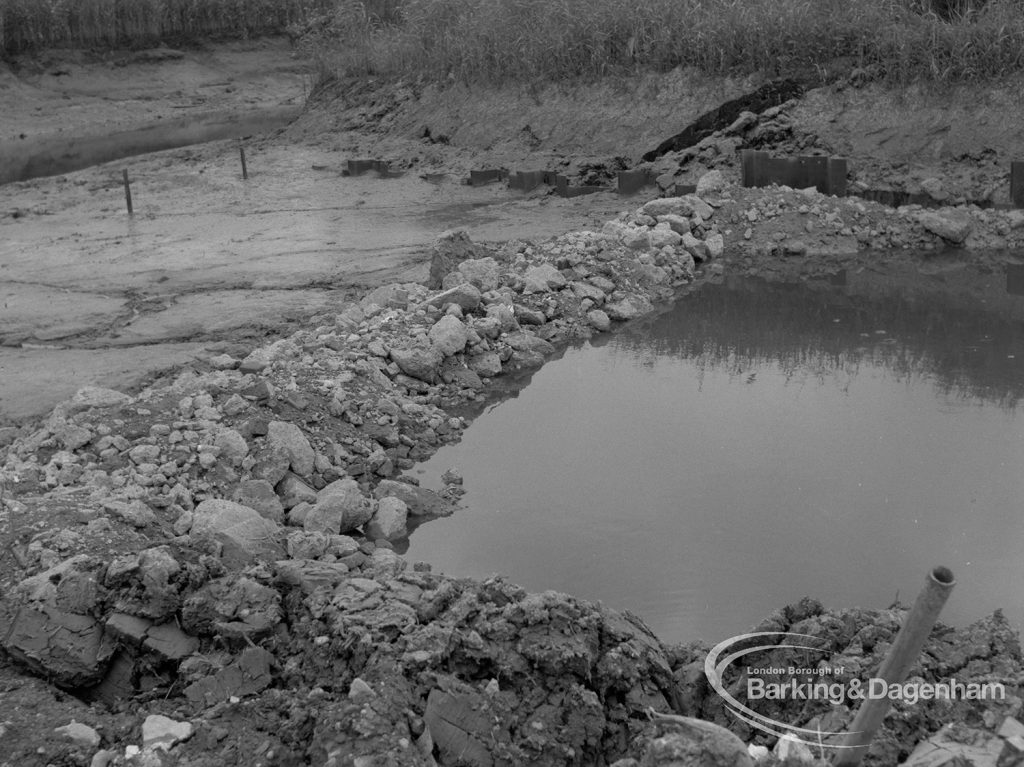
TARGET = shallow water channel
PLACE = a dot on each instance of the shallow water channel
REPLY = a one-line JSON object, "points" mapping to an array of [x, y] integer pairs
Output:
{"points": [[759, 442]]}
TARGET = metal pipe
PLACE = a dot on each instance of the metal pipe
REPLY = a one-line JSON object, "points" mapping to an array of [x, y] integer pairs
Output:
{"points": [[904, 651]]}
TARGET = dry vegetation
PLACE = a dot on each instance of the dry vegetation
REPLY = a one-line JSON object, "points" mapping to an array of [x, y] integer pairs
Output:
{"points": [[30, 24], [497, 40]]}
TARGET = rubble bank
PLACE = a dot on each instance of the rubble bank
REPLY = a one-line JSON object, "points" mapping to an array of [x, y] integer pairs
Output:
{"points": [[223, 547]]}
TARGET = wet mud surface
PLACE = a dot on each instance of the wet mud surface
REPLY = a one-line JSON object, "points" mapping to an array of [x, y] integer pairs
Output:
{"points": [[210, 257]]}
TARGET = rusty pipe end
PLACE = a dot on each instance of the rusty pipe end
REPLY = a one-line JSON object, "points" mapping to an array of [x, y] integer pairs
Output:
{"points": [[943, 576]]}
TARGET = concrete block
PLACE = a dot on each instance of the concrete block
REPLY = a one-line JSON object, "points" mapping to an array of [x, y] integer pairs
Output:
{"points": [[488, 176], [837, 176], [632, 181], [359, 167], [812, 171], [527, 181], [826, 174]]}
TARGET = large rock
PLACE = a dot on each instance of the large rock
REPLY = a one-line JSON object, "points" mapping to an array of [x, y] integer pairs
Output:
{"points": [[628, 308], [484, 273], [463, 727], [232, 445], [466, 296], [448, 251], [303, 544], [526, 342], [951, 225], [636, 237], [663, 236], [310, 575], [289, 438], [71, 585], [688, 205], [695, 247], [89, 397], [67, 649], [935, 189], [81, 734], [232, 606], [292, 491], [271, 464], [487, 327], [340, 508], [420, 362], [715, 245], [449, 335], [486, 364], [598, 320], [712, 183], [542, 279], [259, 494], [144, 454], [244, 534], [505, 315], [388, 521], [393, 295], [419, 501], [649, 274], [584, 290], [678, 224], [169, 642], [163, 733]]}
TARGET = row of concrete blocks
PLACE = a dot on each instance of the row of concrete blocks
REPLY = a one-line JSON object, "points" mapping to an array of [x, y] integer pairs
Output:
{"points": [[359, 167], [526, 181], [826, 174], [629, 181]]}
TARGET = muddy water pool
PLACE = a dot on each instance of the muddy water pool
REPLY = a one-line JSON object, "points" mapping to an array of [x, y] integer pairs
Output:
{"points": [[759, 442]]}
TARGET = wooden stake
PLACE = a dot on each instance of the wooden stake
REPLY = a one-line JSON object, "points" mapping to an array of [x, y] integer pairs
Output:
{"points": [[241, 152], [1017, 184], [127, 192]]}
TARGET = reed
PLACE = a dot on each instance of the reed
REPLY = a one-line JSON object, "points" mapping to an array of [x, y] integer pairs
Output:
{"points": [[33, 24], [503, 40]]}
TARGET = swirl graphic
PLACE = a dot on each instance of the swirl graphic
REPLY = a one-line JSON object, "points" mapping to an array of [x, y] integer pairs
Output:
{"points": [[715, 665]]}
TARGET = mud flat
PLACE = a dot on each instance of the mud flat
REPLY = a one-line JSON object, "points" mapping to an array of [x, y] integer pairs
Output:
{"points": [[209, 258]]}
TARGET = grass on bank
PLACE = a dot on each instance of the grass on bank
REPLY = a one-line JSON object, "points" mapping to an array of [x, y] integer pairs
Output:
{"points": [[35, 24], [900, 41]]}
